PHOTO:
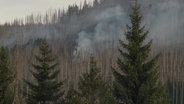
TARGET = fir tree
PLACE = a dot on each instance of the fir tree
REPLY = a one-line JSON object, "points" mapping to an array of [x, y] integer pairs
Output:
{"points": [[6, 78], [92, 88], [137, 77], [72, 97], [46, 89]]}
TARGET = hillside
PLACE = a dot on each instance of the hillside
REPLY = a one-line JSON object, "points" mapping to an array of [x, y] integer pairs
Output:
{"points": [[96, 29]]}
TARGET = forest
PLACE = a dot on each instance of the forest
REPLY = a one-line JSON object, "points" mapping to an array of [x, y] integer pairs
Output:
{"points": [[105, 52]]}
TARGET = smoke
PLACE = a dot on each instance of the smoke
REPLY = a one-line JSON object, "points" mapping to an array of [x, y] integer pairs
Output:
{"points": [[163, 19], [22, 35], [104, 25], [109, 28]]}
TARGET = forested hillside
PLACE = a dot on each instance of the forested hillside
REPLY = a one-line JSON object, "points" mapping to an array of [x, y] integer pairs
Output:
{"points": [[95, 29]]}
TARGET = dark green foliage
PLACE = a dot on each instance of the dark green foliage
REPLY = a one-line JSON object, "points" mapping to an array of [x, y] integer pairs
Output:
{"points": [[93, 89], [6, 78], [72, 97], [46, 89], [137, 78]]}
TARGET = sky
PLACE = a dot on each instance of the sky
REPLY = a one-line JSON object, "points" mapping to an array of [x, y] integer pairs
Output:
{"points": [[10, 9]]}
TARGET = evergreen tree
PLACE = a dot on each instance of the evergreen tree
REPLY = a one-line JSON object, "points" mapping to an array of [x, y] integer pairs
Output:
{"points": [[46, 89], [6, 78], [92, 88], [72, 96], [137, 77]]}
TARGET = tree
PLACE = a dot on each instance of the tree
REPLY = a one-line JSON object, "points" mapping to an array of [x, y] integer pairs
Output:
{"points": [[72, 96], [6, 78], [176, 91], [46, 89], [137, 77], [92, 88]]}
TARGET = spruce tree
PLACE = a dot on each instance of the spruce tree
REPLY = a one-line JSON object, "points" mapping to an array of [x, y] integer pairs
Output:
{"points": [[6, 78], [137, 76], [93, 89], [46, 88], [72, 96]]}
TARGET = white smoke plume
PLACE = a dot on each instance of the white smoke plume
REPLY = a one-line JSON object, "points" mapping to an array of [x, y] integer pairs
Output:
{"points": [[109, 28], [163, 19]]}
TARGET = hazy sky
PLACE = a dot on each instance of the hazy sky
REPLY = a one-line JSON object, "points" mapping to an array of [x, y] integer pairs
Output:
{"points": [[10, 9]]}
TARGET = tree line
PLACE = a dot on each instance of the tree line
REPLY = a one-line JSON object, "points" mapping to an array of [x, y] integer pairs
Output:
{"points": [[136, 77]]}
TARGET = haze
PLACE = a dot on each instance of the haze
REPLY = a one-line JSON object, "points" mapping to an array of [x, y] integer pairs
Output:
{"points": [[11, 9]]}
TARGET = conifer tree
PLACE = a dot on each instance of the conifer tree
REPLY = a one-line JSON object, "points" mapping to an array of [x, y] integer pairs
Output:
{"points": [[92, 88], [137, 77], [6, 78], [46, 88], [72, 96]]}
